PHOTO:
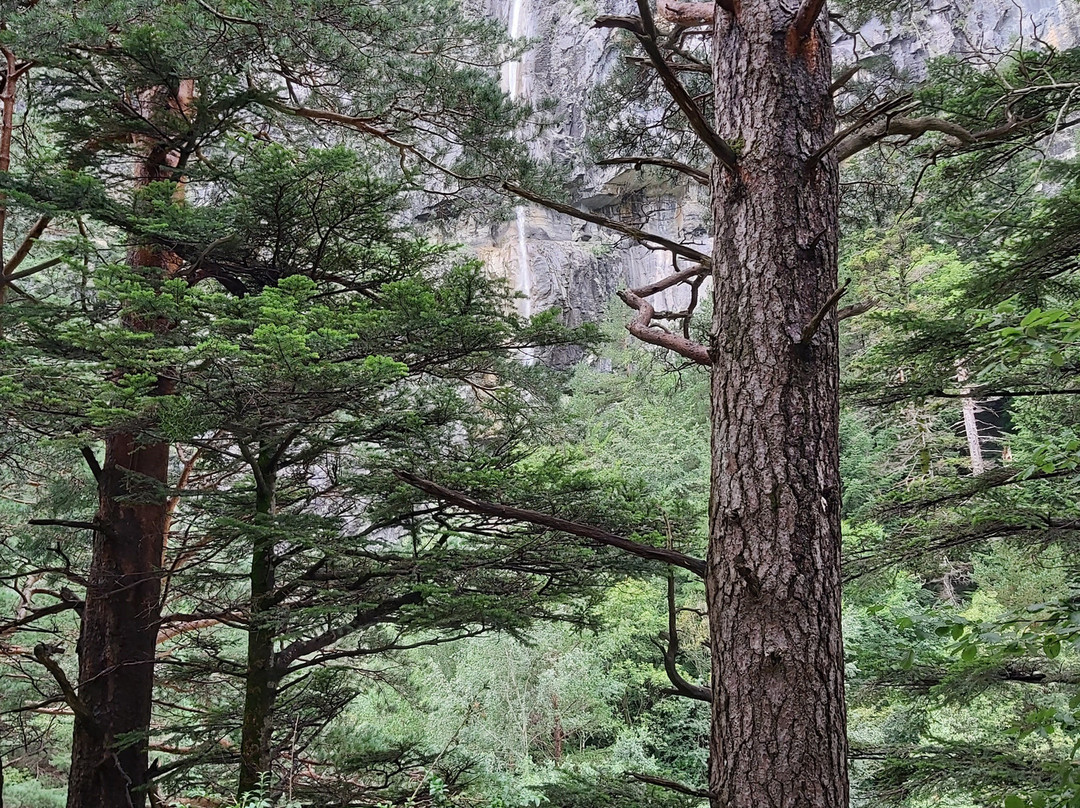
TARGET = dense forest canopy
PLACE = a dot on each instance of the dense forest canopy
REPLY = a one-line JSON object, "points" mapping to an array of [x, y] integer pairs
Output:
{"points": [[302, 504]]}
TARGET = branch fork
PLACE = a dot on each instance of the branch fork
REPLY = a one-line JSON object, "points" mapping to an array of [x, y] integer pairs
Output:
{"points": [[644, 29], [644, 329]]}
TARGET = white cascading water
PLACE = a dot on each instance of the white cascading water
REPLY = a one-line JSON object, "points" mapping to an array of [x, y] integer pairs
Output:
{"points": [[511, 76]]}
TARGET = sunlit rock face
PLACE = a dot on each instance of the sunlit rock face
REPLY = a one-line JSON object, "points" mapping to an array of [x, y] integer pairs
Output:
{"points": [[576, 267]]}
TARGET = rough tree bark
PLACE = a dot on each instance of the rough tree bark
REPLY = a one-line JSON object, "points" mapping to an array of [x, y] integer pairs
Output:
{"points": [[773, 577], [109, 757]]}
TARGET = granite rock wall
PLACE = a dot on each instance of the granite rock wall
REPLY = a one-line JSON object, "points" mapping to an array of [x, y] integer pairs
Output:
{"points": [[576, 267]]}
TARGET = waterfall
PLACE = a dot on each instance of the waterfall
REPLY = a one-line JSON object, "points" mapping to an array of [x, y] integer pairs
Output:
{"points": [[511, 79], [524, 271]]}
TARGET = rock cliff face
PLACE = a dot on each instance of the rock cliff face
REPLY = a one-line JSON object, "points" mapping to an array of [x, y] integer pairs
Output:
{"points": [[576, 267]]}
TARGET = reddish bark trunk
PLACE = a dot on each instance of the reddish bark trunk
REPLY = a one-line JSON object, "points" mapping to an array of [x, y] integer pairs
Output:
{"points": [[773, 577], [119, 628], [109, 758], [7, 121]]}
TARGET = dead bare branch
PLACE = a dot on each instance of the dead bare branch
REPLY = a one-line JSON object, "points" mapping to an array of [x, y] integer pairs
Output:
{"points": [[690, 14], [611, 224], [855, 309], [806, 17], [699, 176], [815, 321], [642, 328]]}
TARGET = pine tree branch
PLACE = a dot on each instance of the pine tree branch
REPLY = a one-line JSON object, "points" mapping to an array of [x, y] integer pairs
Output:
{"points": [[228, 17], [92, 462], [32, 235], [806, 17], [990, 392], [44, 655], [371, 617], [671, 785], [186, 626], [891, 106], [846, 75], [689, 13], [37, 614], [5, 280], [644, 29], [66, 523], [699, 176], [611, 224], [671, 654], [683, 276], [910, 127], [465, 502], [642, 328]]}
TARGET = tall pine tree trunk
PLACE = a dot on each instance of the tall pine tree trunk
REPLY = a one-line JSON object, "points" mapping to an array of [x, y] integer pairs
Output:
{"points": [[7, 122], [261, 684], [773, 576], [120, 621], [119, 628]]}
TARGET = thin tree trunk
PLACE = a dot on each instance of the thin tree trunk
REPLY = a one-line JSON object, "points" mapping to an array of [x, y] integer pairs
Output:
{"points": [[7, 122], [773, 576], [261, 685], [109, 756], [558, 734], [971, 422]]}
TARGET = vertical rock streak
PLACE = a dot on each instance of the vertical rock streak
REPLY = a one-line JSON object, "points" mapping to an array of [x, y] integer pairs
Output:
{"points": [[512, 85]]}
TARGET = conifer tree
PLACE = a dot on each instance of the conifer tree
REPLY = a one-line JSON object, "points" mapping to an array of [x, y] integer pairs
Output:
{"points": [[135, 95], [753, 114]]}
